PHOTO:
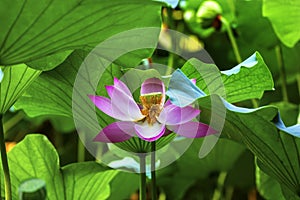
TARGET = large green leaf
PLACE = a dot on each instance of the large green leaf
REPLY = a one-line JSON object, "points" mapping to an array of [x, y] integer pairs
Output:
{"points": [[284, 17], [245, 83], [35, 157], [35, 29], [87, 180], [15, 80], [277, 152]]}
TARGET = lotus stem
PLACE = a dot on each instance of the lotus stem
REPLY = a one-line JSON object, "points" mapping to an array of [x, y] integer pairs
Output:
{"points": [[142, 177], [153, 174], [232, 40], [5, 167]]}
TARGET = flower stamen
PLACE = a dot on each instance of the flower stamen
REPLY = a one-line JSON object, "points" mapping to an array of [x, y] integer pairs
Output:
{"points": [[152, 106]]}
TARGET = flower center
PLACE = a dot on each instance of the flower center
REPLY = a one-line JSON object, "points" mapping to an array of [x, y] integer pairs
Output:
{"points": [[152, 106]]}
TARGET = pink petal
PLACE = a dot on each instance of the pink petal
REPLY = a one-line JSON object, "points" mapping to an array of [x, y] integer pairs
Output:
{"points": [[116, 132], [192, 129], [173, 115], [122, 103], [150, 132], [104, 104], [122, 86], [153, 85], [109, 90]]}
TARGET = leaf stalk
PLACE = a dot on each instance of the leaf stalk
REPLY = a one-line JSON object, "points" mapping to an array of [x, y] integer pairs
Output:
{"points": [[7, 182]]}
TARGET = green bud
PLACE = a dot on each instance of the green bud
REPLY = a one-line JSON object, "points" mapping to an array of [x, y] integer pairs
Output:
{"points": [[32, 189], [208, 14]]}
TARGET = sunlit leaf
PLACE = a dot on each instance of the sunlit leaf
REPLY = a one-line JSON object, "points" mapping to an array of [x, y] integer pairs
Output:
{"points": [[15, 80]]}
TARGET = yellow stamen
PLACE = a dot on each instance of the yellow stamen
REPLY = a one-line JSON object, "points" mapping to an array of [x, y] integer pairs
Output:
{"points": [[152, 105]]}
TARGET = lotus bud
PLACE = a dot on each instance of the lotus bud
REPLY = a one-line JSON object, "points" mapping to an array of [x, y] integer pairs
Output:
{"points": [[32, 189], [208, 15]]}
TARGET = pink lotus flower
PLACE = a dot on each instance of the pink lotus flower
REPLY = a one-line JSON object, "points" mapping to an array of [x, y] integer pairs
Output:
{"points": [[151, 119]]}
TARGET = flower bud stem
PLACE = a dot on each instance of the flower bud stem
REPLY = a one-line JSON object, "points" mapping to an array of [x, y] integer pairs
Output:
{"points": [[232, 40], [153, 175], [5, 167], [142, 177]]}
